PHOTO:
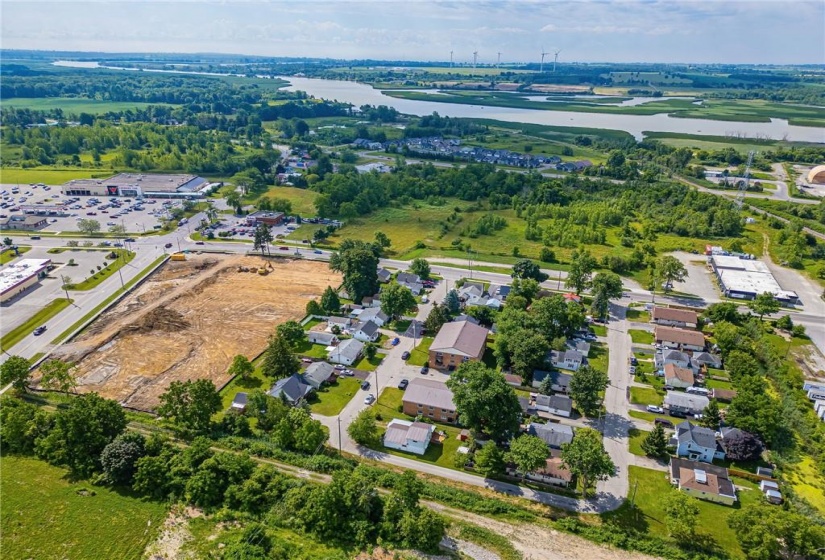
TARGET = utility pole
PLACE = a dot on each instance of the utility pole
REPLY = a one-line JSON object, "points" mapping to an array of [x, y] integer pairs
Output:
{"points": [[339, 433], [498, 64]]}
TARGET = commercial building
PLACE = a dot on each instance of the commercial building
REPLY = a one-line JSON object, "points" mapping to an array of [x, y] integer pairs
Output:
{"points": [[139, 184], [18, 277], [266, 217], [25, 223], [745, 279], [456, 343]]}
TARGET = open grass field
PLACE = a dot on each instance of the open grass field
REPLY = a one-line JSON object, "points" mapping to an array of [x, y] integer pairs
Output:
{"points": [[48, 517], [330, 400], [74, 105], [8, 255], [638, 315], [808, 483], [421, 354], [22, 331], [303, 200], [711, 527], [636, 438], [645, 396], [639, 336], [48, 175], [388, 402]]}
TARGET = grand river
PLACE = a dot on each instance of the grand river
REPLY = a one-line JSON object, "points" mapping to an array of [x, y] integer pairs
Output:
{"points": [[360, 94], [637, 125]]}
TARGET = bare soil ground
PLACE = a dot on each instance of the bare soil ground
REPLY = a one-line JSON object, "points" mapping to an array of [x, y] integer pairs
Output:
{"points": [[188, 321]]}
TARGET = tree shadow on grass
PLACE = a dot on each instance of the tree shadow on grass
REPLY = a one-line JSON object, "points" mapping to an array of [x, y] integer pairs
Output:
{"points": [[249, 383]]}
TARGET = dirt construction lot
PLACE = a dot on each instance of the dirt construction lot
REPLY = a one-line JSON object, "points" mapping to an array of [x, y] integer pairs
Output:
{"points": [[188, 321]]}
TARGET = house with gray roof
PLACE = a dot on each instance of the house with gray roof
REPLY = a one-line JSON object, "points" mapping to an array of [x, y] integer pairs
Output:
{"points": [[318, 373], [384, 275], [569, 359], [706, 359], [685, 403], [347, 352], [554, 435], [365, 331], [375, 315], [579, 345], [413, 437], [410, 281], [560, 381], [559, 405], [293, 389], [697, 443], [675, 357], [321, 337]]}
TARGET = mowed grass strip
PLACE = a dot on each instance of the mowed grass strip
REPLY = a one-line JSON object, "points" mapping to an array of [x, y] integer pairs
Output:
{"points": [[49, 518], [96, 279], [640, 337], [332, 399], [8, 254], [48, 176], [19, 333]]}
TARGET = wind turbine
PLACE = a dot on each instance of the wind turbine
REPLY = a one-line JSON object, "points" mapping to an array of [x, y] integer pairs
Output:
{"points": [[475, 59], [451, 59], [543, 54], [556, 59], [498, 64]]}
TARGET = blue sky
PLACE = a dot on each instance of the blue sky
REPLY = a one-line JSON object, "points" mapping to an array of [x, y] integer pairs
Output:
{"points": [[710, 31]]}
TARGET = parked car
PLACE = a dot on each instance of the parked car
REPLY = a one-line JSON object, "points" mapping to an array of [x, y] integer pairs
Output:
{"points": [[403, 383], [369, 399], [634, 361], [632, 369], [129, 240], [39, 330], [365, 385], [655, 409], [306, 360], [405, 355], [339, 366], [425, 369], [34, 237]]}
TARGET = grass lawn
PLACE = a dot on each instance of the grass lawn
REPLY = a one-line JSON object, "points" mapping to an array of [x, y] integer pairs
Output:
{"points": [[645, 396], [302, 200], [45, 516], [49, 176], [718, 373], [8, 255], [421, 354], [599, 356], [650, 486], [640, 336], [638, 315], [22, 331], [369, 365], [599, 330], [388, 403], [113, 266], [311, 323], [240, 385], [715, 384], [808, 483], [75, 104], [649, 417], [307, 348], [636, 438], [330, 400]]}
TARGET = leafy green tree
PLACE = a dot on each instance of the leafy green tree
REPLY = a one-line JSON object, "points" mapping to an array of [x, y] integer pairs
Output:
{"points": [[421, 268], [764, 304], [292, 332], [8, 242], [727, 337], [586, 387], [15, 371], [527, 288], [81, 432], [547, 255], [484, 401], [21, 425], [525, 268], [586, 458], [528, 350], [741, 364], [671, 270], [89, 227], [554, 317], [330, 302], [279, 361], [119, 458], [297, 430], [606, 286], [724, 311], [397, 300], [437, 317], [208, 484], [754, 410], [191, 404], [57, 376], [364, 429], [785, 323], [314, 308], [528, 453], [370, 350], [711, 416], [681, 514], [581, 271], [489, 460], [484, 315], [358, 263], [766, 532], [452, 301], [655, 442], [117, 230], [241, 367], [382, 240], [263, 237]]}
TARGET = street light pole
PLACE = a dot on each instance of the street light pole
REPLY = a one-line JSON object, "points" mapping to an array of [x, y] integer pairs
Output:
{"points": [[339, 433]]}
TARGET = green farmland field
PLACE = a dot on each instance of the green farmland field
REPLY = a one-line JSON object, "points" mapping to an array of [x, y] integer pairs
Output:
{"points": [[48, 517], [74, 104]]}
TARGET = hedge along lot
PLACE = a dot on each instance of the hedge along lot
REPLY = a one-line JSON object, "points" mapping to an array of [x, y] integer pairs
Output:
{"points": [[45, 516]]}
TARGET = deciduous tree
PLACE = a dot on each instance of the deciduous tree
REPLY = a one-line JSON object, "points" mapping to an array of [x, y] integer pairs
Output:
{"points": [[764, 304], [743, 446], [484, 401], [57, 376], [681, 513], [436, 318], [489, 460], [586, 458], [397, 300], [119, 458], [528, 453], [330, 302], [581, 270], [421, 268], [525, 268], [291, 332], [671, 270], [191, 404], [89, 227], [241, 367], [364, 430], [586, 387], [766, 532], [15, 370], [279, 361], [358, 263], [263, 237]]}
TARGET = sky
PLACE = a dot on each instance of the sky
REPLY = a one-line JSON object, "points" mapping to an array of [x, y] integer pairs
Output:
{"points": [[709, 31]]}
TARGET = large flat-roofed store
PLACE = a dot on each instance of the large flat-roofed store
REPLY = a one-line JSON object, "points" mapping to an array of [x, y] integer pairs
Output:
{"points": [[22, 275], [138, 184], [746, 278]]}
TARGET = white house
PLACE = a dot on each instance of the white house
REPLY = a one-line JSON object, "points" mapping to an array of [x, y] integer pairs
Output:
{"points": [[347, 352], [318, 373], [675, 357], [366, 331], [375, 315], [682, 339], [559, 405], [670, 317], [685, 403], [569, 359], [678, 377], [697, 443], [320, 337], [413, 437]]}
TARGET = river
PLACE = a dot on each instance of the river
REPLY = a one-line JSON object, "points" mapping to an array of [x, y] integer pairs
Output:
{"points": [[637, 125]]}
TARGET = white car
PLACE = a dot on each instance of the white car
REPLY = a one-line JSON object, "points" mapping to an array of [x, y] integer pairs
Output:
{"points": [[655, 409], [369, 399]]}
